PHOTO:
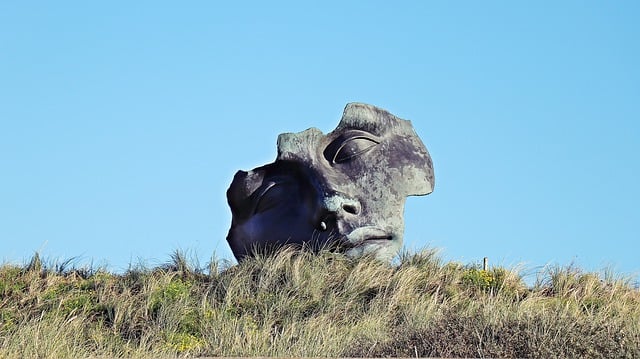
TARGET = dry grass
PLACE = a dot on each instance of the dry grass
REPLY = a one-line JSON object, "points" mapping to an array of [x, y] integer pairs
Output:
{"points": [[304, 305]]}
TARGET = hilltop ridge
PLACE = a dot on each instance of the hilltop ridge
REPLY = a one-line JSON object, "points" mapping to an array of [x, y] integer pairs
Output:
{"points": [[297, 304]]}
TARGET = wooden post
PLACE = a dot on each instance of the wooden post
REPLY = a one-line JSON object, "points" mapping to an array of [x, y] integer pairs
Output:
{"points": [[485, 264]]}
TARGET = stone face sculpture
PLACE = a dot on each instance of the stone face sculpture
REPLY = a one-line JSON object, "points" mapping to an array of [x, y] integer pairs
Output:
{"points": [[345, 190]]}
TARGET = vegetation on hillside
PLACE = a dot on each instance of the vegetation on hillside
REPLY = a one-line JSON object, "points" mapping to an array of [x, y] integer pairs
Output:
{"points": [[298, 304]]}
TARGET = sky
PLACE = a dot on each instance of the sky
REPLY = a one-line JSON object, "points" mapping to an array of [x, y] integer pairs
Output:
{"points": [[122, 123]]}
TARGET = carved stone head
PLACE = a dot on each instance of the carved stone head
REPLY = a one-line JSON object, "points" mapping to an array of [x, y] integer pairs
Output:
{"points": [[343, 190]]}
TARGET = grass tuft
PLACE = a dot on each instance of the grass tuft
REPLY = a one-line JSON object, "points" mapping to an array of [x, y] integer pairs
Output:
{"points": [[299, 304]]}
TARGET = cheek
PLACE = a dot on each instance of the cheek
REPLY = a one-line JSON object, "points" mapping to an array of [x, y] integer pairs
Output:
{"points": [[285, 224]]}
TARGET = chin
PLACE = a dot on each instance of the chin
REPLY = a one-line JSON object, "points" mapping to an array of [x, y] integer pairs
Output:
{"points": [[383, 251]]}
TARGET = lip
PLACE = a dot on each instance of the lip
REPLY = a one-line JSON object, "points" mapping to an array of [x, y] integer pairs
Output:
{"points": [[369, 235]]}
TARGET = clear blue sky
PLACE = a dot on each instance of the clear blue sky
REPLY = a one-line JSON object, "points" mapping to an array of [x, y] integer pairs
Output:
{"points": [[122, 123]]}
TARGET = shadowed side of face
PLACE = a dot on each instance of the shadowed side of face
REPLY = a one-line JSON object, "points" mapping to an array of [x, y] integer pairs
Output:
{"points": [[272, 206]]}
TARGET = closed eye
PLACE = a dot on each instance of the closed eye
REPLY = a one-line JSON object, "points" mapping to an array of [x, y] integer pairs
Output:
{"points": [[348, 146], [265, 200], [274, 194], [352, 148]]}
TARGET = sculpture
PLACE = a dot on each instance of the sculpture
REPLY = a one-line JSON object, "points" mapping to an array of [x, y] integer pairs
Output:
{"points": [[345, 190]]}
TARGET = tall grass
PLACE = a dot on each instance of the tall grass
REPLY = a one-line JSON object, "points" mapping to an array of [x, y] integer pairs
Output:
{"points": [[298, 304]]}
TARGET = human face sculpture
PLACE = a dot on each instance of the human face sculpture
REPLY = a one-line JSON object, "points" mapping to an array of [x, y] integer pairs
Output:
{"points": [[345, 190]]}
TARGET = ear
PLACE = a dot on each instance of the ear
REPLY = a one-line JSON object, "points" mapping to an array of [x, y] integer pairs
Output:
{"points": [[420, 179], [243, 185], [419, 171]]}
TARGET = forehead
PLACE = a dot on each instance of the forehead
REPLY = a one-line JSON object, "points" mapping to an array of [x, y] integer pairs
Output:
{"points": [[371, 119], [303, 145]]}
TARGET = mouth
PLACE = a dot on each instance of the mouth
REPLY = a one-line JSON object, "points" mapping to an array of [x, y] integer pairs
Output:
{"points": [[369, 235]]}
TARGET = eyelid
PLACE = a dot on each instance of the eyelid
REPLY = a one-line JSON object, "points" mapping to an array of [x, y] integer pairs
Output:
{"points": [[279, 183], [267, 188], [354, 154], [261, 194], [334, 147]]}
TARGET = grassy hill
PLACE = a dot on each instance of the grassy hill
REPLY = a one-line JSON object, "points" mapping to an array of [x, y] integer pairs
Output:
{"points": [[305, 305]]}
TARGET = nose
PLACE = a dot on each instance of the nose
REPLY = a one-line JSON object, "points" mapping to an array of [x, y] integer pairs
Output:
{"points": [[338, 211], [342, 205], [351, 208]]}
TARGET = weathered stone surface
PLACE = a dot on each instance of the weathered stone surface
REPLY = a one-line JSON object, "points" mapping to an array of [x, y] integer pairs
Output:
{"points": [[344, 190]]}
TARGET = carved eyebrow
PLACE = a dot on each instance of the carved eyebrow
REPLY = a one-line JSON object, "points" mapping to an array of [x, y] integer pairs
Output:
{"points": [[370, 128], [338, 151]]}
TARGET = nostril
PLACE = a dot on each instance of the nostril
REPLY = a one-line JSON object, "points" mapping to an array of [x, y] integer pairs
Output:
{"points": [[340, 205], [350, 208]]}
